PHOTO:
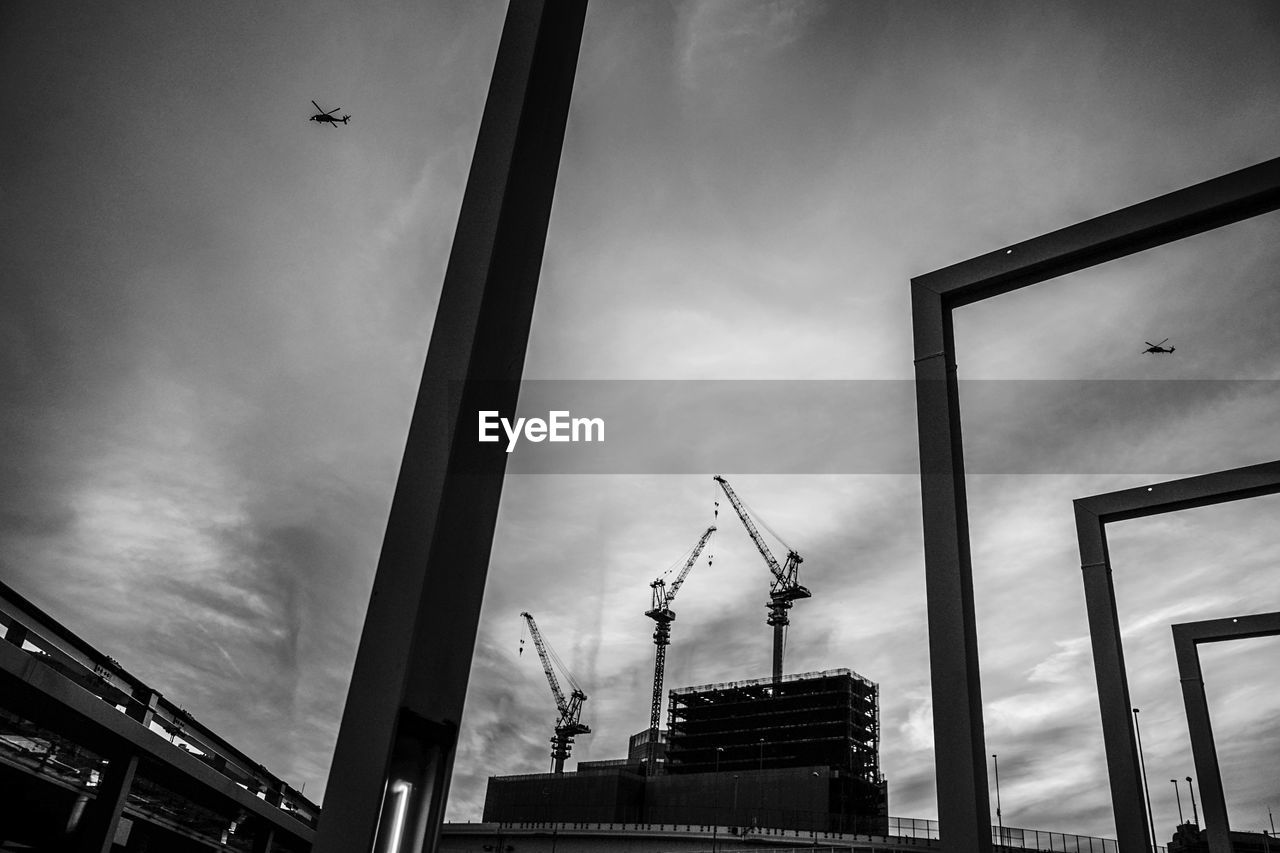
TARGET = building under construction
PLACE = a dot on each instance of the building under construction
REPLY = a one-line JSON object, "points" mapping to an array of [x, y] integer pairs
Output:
{"points": [[801, 752], [829, 719]]}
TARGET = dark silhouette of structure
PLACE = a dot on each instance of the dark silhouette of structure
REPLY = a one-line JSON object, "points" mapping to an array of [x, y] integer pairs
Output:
{"points": [[662, 615], [1186, 639], [959, 737], [784, 589], [1190, 838], [399, 736], [802, 753], [569, 724], [1093, 514], [399, 733]]}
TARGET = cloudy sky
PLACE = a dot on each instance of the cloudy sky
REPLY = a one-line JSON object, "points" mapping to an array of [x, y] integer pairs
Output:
{"points": [[214, 314]]}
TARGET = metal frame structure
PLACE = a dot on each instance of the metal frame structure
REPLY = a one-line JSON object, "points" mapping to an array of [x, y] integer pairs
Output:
{"points": [[1187, 638], [1092, 516], [394, 756], [960, 757], [412, 667]]}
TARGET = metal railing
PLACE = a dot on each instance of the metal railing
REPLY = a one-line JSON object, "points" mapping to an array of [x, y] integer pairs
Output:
{"points": [[899, 828], [786, 679], [1014, 838]]}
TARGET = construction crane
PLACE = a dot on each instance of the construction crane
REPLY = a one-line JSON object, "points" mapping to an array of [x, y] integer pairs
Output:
{"points": [[785, 587], [570, 711], [662, 614]]}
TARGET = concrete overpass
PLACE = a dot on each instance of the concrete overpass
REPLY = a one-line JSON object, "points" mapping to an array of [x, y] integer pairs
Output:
{"points": [[93, 760]]}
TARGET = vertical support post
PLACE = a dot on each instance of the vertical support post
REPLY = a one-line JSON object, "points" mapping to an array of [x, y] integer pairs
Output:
{"points": [[264, 838], [406, 695], [1203, 751], [1113, 685], [97, 830], [960, 752], [779, 643], [77, 812], [143, 707], [16, 634]]}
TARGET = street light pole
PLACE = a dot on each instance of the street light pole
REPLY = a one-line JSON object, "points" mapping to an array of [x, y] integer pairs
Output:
{"points": [[1195, 814], [1178, 794], [715, 827], [1143, 762], [760, 783], [999, 817]]}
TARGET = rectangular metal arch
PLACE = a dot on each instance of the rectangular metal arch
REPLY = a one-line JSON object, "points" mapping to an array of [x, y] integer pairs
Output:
{"points": [[1188, 493], [1221, 201], [1186, 640], [960, 748], [1092, 515]]}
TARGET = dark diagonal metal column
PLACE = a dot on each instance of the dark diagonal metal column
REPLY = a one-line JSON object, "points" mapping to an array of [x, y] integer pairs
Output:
{"points": [[1203, 751], [958, 735], [395, 748]]}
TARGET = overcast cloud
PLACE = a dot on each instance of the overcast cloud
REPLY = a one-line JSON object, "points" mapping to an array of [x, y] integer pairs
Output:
{"points": [[214, 316]]}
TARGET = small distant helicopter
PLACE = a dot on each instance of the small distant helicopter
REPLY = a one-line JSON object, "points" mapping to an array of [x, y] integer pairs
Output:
{"points": [[1158, 348], [328, 117]]}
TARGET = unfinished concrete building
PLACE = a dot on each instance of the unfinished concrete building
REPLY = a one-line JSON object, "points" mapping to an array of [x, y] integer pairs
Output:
{"points": [[827, 722], [801, 752]]}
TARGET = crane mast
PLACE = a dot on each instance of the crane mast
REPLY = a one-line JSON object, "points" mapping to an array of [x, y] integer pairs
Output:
{"points": [[785, 587], [663, 615], [570, 710]]}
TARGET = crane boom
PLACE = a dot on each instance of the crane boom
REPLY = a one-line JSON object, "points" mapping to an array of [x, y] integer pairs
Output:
{"points": [[570, 710], [561, 704], [662, 614], [662, 596], [785, 587], [783, 578], [693, 558]]}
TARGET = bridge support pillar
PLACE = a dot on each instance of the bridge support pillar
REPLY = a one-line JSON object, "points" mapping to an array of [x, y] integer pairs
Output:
{"points": [[97, 830]]}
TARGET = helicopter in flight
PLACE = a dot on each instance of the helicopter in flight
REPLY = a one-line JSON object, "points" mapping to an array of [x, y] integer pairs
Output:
{"points": [[328, 117], [1158, 348]]}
